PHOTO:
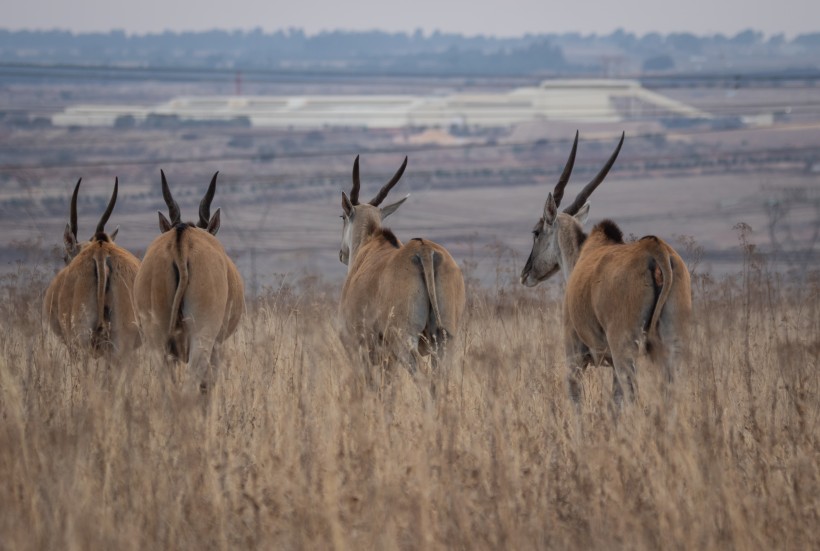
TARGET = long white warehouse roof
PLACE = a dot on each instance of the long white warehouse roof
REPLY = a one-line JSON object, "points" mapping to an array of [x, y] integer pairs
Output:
{"points": [[570, 100]]}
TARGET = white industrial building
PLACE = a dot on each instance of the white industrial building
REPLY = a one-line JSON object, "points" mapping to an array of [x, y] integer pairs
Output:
{"points": [[568, 100]]}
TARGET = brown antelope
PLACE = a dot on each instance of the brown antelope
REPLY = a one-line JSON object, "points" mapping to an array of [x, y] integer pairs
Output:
{"points": [[621, 298], [407, 298], [189, 295], [88, 303]]}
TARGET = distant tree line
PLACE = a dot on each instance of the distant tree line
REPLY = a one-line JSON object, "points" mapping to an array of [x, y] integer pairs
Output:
{"points": [[372, 51], [417, 52]]}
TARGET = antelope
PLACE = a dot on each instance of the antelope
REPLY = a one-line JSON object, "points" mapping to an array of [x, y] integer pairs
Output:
{"points": [[88, 303], [188, 293], [621, 298], [407, 298]]}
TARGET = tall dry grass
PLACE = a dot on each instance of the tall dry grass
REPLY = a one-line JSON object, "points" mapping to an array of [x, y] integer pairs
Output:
{"points": [[294, 450]]}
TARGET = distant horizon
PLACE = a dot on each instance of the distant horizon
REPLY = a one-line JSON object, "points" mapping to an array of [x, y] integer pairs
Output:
{"points": [[513, 18], [411, 32]]}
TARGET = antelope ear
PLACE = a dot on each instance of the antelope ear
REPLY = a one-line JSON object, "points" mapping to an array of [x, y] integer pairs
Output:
{"points": [[214, 222], [113, 235], [582, 214], [164, 224], [390, 209], [70, 241], [550, 210], [347, 204]]}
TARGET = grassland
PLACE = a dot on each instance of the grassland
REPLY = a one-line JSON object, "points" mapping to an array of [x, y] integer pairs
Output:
{"points": [[293, 450]]}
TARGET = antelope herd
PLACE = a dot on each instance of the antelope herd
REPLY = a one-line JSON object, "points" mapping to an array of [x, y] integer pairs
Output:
{"points": [[399, 302]]}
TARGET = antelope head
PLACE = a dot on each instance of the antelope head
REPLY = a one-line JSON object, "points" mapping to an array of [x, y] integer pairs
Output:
{"points": [[72, 245], [557, 236], [206, 221], [362, 220]]}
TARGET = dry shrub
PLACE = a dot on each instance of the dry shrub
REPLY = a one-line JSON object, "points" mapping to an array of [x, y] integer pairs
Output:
{"points": [[293, 449]]}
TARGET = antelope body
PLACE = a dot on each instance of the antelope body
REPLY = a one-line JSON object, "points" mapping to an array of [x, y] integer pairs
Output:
{"points": [[188, 293], [88, 304], [622, 299], [409, 297]]}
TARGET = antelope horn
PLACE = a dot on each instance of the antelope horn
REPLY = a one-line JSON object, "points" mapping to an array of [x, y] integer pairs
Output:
{"points": [[109, 209], [558, 192], [72, 211], [354, 193], [173, 207], [205, 204], [376, 201], [590, 187]]}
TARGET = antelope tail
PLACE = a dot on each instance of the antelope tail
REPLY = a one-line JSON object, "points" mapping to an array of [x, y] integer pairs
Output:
{"points": [[663, 278], [99, 337], [429, 260], [181, 267]]}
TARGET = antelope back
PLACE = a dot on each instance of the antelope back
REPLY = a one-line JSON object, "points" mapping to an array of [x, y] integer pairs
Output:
{"points": [[89, 302]]}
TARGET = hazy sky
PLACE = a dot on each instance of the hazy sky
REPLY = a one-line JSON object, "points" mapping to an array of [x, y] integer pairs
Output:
{"points": [[506, 18]]}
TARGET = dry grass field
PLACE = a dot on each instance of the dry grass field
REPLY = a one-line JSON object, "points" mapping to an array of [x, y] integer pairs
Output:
{"points": [[293, 450]]}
